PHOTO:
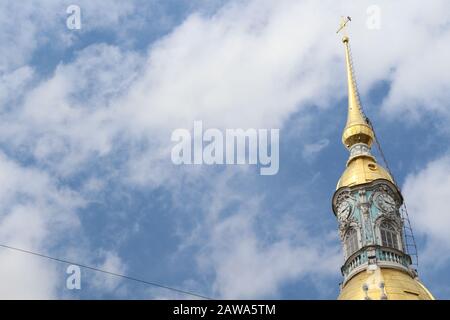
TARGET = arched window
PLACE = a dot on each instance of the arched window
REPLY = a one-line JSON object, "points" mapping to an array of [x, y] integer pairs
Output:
{"points": [[388, 235], [351, 241]]}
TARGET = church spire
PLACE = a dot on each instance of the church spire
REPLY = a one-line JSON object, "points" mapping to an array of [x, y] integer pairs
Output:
{"points": [[357, 129], [367, 204], [358, 135]]}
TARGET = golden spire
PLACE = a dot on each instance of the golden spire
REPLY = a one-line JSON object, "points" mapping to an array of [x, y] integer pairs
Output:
{"points": [[361, 166], [357, 130]]}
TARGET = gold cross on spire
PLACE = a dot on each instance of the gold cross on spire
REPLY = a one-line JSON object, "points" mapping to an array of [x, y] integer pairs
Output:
{"points": [[343, 24]]}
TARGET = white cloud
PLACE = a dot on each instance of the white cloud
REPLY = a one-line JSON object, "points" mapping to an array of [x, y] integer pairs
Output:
{"points": [[311, 150], [38, 214], [12, 83], [35, 214], [109, 283], [67, 119], [251, 252], [419, 82], [241, 61], [26, 277], [26, 26], [247, 266], [426, 194]]}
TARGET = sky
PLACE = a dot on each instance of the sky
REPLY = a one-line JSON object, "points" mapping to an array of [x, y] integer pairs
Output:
{"points": [[85, 142]]}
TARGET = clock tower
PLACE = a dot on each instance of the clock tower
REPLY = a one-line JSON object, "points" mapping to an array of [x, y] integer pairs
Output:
{"points": [[367, 204]]}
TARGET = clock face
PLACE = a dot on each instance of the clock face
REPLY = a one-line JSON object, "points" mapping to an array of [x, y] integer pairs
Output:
{"points": [[344, 209], [385, 202]]}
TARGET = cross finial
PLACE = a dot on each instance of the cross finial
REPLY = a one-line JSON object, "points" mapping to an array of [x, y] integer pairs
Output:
{"points": [[343, 24]]}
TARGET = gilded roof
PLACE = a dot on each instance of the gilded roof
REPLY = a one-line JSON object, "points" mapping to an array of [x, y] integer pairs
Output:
{"points": [[362, 170], [398, 285]]}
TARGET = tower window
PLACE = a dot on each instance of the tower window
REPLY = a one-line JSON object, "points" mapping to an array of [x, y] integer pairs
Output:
{"points": [[351, 241], [388, 235]]}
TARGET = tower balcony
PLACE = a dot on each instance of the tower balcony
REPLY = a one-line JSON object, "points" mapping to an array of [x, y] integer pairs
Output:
{"points": [[377, 255]]}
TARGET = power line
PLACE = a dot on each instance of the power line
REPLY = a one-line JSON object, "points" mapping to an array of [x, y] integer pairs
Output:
{"points": [[106, 272]]}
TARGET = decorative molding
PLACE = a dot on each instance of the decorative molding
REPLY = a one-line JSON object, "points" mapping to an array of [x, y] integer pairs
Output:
{"points": [[358, 150]]}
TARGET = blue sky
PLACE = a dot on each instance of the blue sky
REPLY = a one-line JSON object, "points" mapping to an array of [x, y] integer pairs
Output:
{"points": [[87, 115]]}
